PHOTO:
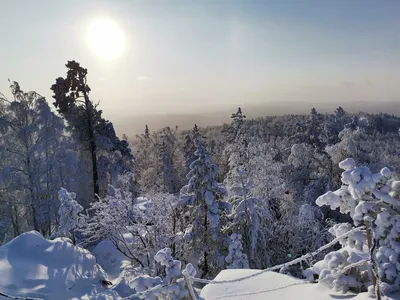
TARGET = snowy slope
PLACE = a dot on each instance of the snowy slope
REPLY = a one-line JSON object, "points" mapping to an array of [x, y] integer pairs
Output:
{"points": [[118, 268], [110, 259], [32, 266], [271, 285]]}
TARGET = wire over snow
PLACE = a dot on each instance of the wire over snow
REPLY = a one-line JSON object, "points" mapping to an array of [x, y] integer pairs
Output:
{"points": [[277, 267]]}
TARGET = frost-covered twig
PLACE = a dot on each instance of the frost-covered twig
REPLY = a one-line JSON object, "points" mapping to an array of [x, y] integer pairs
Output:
{"points": [[189, 285]]}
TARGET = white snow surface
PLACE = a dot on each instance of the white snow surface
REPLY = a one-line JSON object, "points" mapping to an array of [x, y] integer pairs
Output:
{"points": [[110, 259], [271, 285], [33, 266]]}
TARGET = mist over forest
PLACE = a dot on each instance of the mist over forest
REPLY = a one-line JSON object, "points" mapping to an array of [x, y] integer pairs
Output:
{"points": [[134, 124]]}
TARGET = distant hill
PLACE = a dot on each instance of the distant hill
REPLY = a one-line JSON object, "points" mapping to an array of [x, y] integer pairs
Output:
{"points": [[134, 124]]}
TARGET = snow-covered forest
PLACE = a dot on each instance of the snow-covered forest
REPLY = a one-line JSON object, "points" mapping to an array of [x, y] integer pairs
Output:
{"points": [[160, 214]]}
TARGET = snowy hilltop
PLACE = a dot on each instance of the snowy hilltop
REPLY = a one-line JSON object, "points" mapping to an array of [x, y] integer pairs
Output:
{"points": [[283, 206]]}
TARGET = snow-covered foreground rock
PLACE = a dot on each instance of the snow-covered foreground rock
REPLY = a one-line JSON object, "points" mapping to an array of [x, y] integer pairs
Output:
{"points": [[33, 266], [271, 285]]}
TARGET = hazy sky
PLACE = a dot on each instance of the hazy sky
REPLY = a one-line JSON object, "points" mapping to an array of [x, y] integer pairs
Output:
{"points": [[193, 55]]}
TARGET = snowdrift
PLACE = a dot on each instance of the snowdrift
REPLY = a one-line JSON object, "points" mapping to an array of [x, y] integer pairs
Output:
{"points": [[110, 259], [118, 268], [271, 285], [33, 266]]}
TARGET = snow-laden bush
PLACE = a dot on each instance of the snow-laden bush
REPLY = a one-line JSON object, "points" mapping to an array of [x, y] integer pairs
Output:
{"points": [[236, 259], [136, 227], [172, 286], [69, 214], [347, 267], [371, 200]]}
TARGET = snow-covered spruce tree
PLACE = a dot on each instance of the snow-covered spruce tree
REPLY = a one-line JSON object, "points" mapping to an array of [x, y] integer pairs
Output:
{"points": [[156, 155], [142, 146], [190, 148], [234, 130], [147, 161], [371, 200], [236, 259], [202, 201], [238, 119], [167, 170], [334, 125], [69, 214], [311, 131], [172, 286], [249, 217], [238, 142]]}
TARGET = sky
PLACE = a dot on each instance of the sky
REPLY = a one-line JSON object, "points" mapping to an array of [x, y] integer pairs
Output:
{"points": [[192, 56]]}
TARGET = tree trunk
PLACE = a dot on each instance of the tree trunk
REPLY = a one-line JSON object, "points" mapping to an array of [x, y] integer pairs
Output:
{"points": [[15, 220], [173, 246], [93, 148], [33, 197], [373, 274], [205, 254]]}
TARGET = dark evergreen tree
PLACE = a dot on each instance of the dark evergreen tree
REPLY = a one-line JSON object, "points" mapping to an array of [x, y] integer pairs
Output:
{"points": [[334, 125], [167, 170], [310, 131], [238, 119], [79, 114], [233, 130], [72, 100], [189, 146]]}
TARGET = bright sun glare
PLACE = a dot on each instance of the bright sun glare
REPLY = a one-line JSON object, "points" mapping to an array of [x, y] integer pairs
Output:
{"points": [[105, 38]]}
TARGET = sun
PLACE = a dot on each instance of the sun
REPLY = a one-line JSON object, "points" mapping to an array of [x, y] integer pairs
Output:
{"points": [[105, 38]]}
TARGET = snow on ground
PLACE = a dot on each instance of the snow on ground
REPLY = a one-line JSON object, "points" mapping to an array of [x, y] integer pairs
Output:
{"points": [[110, 259], [118, 268], [32, 266], [271, 285]]}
